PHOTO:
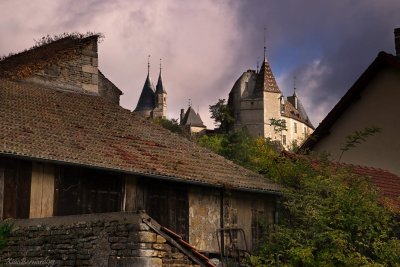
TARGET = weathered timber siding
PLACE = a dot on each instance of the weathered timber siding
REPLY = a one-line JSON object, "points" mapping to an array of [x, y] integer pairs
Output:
{"points": [[240, 209], [108, 239], [42, 190], [131, 195], [204, 218]]}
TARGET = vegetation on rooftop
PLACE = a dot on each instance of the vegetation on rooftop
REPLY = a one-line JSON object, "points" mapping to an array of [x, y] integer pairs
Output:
{"points": [[44, 40]]}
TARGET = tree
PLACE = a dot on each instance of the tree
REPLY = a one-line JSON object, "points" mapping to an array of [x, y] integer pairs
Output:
{"points": [[279, 126], [327, 217], [221, 114], [171, 125]]}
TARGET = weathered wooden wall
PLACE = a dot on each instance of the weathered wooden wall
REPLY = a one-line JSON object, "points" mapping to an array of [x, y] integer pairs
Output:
{"points": [[42, 190]]}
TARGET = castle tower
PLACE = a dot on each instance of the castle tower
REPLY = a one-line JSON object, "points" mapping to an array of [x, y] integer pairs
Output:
{"points": [[146, 101], [160, 110]]}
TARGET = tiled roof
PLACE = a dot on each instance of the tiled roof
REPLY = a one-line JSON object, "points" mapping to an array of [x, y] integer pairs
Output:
{"points": [[352, 95], [387, 183], [89, 130], [266, 80], [291, 112]]}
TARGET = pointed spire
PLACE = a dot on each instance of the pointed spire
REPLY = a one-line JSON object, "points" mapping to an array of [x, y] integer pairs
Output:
{"points": [[294, 86], [265, 44], [148, 65], [258, 64], [147, 97], [160, 87]]}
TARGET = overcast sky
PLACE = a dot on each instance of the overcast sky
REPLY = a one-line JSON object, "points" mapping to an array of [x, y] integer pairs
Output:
{"points": [[205, 45]]}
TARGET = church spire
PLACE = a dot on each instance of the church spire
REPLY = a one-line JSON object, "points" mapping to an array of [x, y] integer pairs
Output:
{"points": [[147, 98], [266, 81], [148, 65], [265, 45], [160, 87]]}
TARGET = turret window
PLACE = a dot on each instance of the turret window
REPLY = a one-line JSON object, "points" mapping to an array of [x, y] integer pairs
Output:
{"points": [[295, 127]]}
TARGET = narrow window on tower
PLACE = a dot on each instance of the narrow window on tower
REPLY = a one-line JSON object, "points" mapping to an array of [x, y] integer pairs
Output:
{"points": [[295, 127]]}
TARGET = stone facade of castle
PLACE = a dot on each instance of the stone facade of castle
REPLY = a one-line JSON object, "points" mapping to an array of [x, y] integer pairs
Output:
{"points": [[255, 99]]}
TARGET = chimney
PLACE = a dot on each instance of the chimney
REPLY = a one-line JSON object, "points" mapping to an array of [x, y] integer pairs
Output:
{"points": [[182, 115], [397, 41]]}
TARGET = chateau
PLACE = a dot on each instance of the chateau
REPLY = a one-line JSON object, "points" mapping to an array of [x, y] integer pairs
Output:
{"points": [[255, 99]]}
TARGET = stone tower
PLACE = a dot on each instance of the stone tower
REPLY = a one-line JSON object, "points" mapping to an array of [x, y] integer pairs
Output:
{"points": [[255, 99]]}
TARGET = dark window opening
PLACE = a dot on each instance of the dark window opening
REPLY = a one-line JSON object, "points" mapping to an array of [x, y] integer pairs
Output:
{"points": [[257, 230], [16, 188], [82, 191]]}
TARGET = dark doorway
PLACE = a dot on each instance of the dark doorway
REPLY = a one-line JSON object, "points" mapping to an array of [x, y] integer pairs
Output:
{"points": [[168, 204], [16, 188]]}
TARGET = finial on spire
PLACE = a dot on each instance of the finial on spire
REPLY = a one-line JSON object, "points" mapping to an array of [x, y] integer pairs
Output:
{"points": [[265, 43], [189, 102], [160, 65], [258, 60], [148, 64], [294, 85]]}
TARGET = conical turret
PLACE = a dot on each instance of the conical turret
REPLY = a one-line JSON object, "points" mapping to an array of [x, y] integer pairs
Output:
{"points": [[146, 101]]}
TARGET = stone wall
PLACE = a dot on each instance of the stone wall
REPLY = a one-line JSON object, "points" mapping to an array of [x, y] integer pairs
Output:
{"points": [[108, 90], [74, 67], [109, 239]]}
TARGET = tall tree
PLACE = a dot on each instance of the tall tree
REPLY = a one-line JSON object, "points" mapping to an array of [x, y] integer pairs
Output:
{"points": [[221, 114]]}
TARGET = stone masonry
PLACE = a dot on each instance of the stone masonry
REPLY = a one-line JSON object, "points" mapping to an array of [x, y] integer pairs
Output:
{"points": [[109, 239]]}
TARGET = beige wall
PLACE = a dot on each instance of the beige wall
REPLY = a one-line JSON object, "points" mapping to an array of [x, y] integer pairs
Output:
{"points": [[378, 106]]}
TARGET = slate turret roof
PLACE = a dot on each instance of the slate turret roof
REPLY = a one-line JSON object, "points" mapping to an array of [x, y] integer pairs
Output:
{"points": [[147, 97], [160, 87], [62, 127], [191, 118], [298, 113]]}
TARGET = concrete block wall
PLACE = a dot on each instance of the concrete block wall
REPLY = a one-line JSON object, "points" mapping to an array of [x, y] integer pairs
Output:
{"points": [[109, 239]]}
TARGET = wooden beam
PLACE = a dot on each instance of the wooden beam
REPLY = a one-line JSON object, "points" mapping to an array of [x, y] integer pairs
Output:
{"points": [[130, 194], [1, 192]]}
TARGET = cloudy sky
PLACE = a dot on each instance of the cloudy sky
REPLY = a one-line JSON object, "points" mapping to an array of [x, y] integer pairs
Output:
{"points": [[205, 45]]}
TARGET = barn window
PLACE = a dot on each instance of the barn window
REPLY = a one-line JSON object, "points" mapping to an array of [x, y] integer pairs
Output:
{"points": [[80, 191]]}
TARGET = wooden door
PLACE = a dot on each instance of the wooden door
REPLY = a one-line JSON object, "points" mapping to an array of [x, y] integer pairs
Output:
{"points": [[168, 204]]}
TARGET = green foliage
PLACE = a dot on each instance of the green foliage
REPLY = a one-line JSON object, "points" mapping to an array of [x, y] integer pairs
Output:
{"points": [[327, 217], [221, 114], [278, 124], [5, 229], [241, 148], [171, 125], [357, 138]]}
